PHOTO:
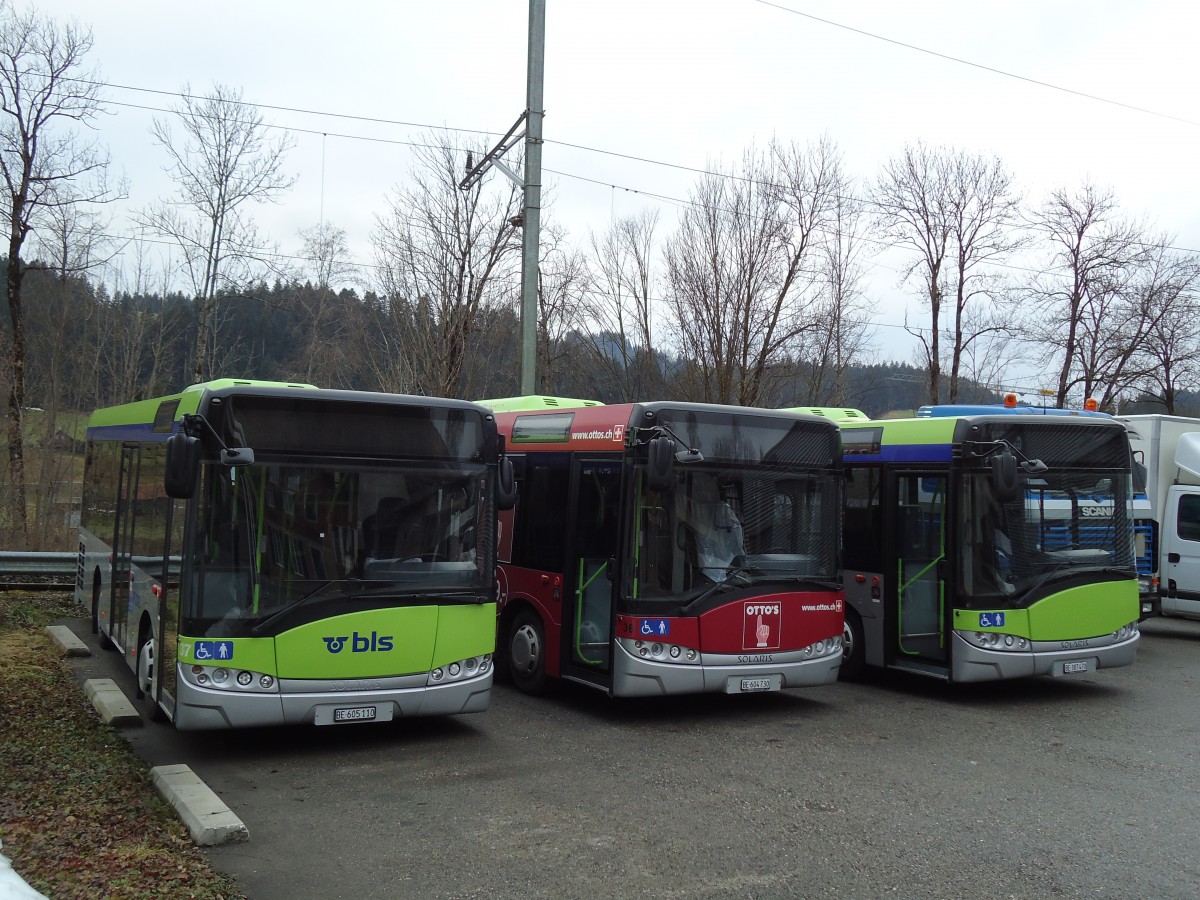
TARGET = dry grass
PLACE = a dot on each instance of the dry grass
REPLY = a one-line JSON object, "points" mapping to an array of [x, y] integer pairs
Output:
{"points": [[78, 816]]}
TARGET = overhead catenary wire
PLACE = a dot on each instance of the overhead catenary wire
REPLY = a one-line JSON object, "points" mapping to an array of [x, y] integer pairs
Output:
{"points": [[704, 171], [966, 62]]}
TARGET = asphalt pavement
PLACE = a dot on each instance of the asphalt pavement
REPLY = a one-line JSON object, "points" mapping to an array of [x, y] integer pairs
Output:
{"points": [[1081, 786]]}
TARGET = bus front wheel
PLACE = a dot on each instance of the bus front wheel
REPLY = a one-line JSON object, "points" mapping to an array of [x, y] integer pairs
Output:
{"points": [[853, 650], [526, 647], [145, 679]]}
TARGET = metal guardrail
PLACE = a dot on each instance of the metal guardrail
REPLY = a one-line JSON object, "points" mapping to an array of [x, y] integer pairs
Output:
{"points": [[22, 562]]}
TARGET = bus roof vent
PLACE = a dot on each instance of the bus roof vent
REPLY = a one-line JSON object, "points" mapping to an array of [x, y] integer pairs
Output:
{"points": [[535, 402], [837, 413]]}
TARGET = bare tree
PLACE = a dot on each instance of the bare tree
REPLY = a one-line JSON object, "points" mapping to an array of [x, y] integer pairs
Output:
{"points": [[956, 212], [991, 350], [1086, 321], [223, 162], [45, 93], [563, 280], [740, 272], [910, 197], [445, 257], [328, 256], [1168, 361], [842, 315], [984, 209], [619, 331], [321, 351]]}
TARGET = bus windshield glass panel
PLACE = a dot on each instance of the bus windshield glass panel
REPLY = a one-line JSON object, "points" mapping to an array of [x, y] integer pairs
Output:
{"points": [[725, 527], [1070, 521], [335, 537]]}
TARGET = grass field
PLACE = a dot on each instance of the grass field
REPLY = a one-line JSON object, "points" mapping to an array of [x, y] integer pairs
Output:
{"points": [[78, 815]]}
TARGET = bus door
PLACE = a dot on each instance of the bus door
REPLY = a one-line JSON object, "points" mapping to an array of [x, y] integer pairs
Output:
{"points": [[920, 536], [591, 564], [122, 572]]}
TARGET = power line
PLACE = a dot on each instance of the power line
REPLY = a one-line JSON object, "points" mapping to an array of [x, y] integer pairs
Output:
{"points": [[586, 148], [967, 62]]}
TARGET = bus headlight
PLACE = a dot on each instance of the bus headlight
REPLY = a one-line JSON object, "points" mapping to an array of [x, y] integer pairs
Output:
{"points": [[668, 653], [995, 640], [234, 681], [472, 667], [825, 647], [1126, 631]]}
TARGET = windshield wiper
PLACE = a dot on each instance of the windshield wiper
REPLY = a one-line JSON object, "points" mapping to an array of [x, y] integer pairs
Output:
{"points": [[1066, 571], [345, 587], [823, 584], [735, 576]]}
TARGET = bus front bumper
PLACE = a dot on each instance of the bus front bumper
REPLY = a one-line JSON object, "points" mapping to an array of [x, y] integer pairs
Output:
{"points": [[1054, 658], [322, 703], [636, 676]]}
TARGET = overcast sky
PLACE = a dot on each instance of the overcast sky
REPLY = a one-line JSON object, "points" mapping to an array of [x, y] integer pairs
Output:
{"points": [[684, 82]]}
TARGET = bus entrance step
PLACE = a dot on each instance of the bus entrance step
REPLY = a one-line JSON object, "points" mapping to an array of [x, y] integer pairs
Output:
{"points": [[928, 669]]}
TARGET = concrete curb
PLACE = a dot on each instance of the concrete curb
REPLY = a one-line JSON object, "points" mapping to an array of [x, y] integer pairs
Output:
{"points": [[110, 703], [208, 819], [67, 641]]}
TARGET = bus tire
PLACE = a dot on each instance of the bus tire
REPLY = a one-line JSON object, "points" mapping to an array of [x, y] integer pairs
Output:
{"points": [[145, 672], [525, 650], [853, 648], [105, 643]]}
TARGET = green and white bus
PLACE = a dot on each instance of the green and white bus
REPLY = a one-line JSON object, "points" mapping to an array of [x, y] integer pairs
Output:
{"points": [[988, 543], [265, 553]]}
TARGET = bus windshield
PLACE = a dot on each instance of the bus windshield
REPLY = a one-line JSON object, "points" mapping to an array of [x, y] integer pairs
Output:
{"points": [[323, 538], [1066, 522], [732, 526]]}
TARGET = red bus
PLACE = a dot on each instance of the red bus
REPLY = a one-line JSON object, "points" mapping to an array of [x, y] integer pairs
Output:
{"points": [[669, 548]]}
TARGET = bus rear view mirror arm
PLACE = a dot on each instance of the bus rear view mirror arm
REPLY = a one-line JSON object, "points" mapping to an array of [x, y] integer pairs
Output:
{"points": [[230, 456]]}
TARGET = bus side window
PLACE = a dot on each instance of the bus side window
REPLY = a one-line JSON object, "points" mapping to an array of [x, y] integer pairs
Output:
{"points": [[861, 524], [539, 537]]}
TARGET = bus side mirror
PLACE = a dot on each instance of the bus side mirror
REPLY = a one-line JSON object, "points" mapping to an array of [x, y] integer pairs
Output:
{"points": [[660, 457], [1005, 482], [183, 465], [506, 485]]}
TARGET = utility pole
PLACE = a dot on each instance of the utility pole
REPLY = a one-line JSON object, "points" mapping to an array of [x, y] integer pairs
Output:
{"points": [[531, 215]]}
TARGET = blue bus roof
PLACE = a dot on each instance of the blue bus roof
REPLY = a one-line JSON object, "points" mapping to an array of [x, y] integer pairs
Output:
{"points": [[988, 409]]}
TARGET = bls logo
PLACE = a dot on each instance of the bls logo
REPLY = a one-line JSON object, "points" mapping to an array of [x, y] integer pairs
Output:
{"points": [[360, 643]]}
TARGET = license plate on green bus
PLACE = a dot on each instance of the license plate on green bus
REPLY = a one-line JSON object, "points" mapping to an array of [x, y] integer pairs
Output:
{"points": [[1074, 667], [354, 714]]}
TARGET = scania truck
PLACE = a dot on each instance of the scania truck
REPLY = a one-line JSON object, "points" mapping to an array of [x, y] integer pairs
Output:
{"points": [[1168, 448]]}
